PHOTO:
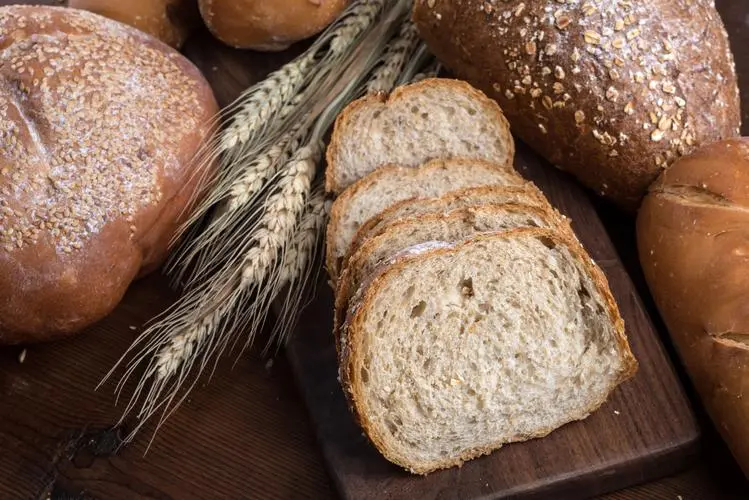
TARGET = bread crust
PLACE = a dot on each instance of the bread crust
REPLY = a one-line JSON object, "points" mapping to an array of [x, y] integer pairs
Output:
{"points": [[529, 194], [352, 274], [341, 204], [268, 26], [171, 21], [69, 267], [352, 341], [693, 240], [346, 116], [610, 93]]}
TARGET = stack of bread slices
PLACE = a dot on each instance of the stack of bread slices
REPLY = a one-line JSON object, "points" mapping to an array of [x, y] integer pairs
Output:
{"points": [[467, 313]]}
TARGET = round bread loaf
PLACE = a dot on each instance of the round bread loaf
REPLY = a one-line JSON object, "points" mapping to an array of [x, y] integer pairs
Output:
{"points": [[100, 127], [171, 21], [693, 239], [612, 91], [268, 26]]}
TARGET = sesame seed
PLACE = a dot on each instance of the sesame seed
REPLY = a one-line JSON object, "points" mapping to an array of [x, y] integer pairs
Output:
{"points": [[664, 123], [629, 108], [551, 49], [519, 9], [657, 135], [547, 102], [558, 88], [579, 116], [588, 8], [669, 88], [633, 33], [559, 73], [612, 94], [536, 93], [543, 128], [530, 48]]}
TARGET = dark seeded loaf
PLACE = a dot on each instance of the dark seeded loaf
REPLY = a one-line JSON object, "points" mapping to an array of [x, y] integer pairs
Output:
{"points": [[611, 91]]}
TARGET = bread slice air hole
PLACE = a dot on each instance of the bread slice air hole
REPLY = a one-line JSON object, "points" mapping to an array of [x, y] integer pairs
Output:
{"points": [[418, 309], [466, 287]]}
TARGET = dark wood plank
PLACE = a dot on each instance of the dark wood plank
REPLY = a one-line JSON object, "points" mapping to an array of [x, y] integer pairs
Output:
{"points": [[243, 434], [646, 429]]}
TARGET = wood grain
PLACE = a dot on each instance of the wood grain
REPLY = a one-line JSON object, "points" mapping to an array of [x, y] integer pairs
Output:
{"points": [[245, 432]]}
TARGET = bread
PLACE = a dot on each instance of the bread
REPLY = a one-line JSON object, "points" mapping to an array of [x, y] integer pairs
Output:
{"points": [[448, 356], [435, 118], [527, 194], [268, 26], [693, 240], [171, 21], [612, 92], [392, 184], [453, 225], [101, 124]]}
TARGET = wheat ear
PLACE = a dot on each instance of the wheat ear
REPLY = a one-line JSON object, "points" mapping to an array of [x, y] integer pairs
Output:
{"points": [[398, 51]]}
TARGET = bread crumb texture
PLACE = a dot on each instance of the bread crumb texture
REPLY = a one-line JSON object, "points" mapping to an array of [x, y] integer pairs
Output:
{"points": [[91, 113]]}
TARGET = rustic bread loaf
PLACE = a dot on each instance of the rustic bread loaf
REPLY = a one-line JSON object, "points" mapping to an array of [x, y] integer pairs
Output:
{"points": [[450, 226], [454, 350], [435, 118], [101, 124], [693, 239], [269, 26], [528, 194], [171, 21], [391, 184], [611, 91]]}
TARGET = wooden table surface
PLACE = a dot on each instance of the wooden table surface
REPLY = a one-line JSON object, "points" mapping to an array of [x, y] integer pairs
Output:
{"points": [[244, 433]]}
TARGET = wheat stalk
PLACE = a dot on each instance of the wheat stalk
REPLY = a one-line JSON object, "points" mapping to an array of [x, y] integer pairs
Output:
{"points": [[258, 231]]}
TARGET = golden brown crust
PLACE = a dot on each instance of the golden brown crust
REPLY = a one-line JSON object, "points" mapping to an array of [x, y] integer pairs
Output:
{"points": [[693, 240], [611, 92], [265, 25], [349, 362], [402, 92], [91, 194], [171, 21]]}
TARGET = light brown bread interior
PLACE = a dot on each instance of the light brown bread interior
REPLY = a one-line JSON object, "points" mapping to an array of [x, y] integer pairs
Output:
{"points": [[527, 194], [435, 118], [448, 355], [451, 226], [391, 184]]}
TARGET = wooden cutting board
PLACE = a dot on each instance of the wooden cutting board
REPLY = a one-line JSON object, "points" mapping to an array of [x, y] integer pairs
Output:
{"points": [[646, 429]]}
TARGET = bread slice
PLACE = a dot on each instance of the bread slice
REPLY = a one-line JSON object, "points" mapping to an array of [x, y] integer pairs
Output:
{"points": [[454, 225], [456, 349], [527, 194], [434, 118], [392, 184]]}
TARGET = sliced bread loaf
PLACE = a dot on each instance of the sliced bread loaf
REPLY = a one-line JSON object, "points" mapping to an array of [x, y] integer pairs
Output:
{"points": [[435, 118], [527, 194], [454, 225], [453, 350], [391, 184]]}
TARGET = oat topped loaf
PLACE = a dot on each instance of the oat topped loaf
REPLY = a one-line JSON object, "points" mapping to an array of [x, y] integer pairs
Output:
{"points": [[100, 125], [612, 91]]}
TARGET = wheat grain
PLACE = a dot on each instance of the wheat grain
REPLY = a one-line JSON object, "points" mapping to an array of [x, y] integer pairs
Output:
{"points": [[267, 98], [396, 54], [306, 237], [281, 212]]}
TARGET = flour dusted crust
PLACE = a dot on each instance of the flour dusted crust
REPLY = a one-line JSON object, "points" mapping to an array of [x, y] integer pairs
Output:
{"points": [[351, 339], [612, 91], [100, 125]]}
